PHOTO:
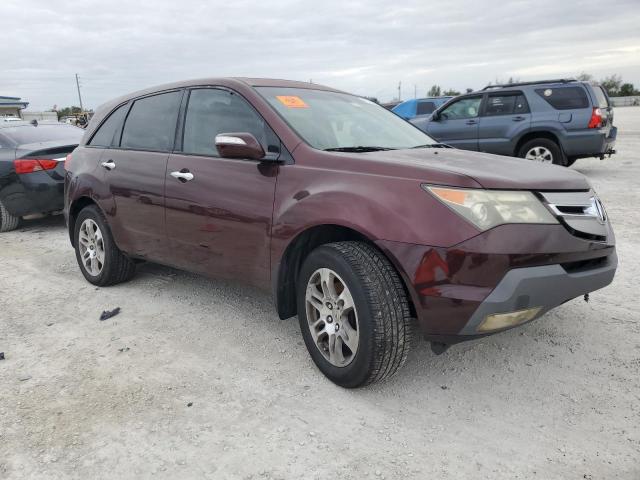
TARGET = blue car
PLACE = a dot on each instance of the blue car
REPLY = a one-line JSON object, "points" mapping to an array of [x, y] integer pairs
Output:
{"points": [[413, 108]]}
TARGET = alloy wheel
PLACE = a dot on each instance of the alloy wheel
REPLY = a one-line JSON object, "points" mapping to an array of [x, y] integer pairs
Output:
{"points": [[540, 154], [332, 317], [91, 245]]}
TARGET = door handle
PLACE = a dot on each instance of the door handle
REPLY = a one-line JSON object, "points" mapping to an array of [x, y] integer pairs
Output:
{"points": [[183, 175], [471, 122], [518, 118], [109, 164]]}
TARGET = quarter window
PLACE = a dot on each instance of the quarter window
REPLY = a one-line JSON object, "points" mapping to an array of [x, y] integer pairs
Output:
{"points": [[151, 123], [104, 135], [464, 108], [213, 111], [564, 98]]}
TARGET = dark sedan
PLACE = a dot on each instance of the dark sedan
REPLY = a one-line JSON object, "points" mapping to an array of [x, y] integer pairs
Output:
{"points": [[32, 169]]}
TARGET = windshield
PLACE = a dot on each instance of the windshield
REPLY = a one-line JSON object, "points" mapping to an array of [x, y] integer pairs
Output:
{"points": [[23, 134], [338, 121]]}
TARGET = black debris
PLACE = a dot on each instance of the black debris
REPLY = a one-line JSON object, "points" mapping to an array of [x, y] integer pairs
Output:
{"points": [[586, 297], [107, 314], [444, 387], [123, 349], [189, 404], [1, 355]]}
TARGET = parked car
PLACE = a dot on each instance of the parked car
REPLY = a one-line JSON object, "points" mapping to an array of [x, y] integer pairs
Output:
{"points": [[31, 168], [358, 222], [552, 121], [418, 108]]}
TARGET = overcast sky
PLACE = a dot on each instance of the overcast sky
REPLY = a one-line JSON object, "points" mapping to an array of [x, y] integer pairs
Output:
{"points": [[365, 47]]}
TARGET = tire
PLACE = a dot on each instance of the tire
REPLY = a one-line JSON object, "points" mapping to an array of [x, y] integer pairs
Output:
{"points": [[380, 314], [541, 145], [7, 221], [115, 267]]}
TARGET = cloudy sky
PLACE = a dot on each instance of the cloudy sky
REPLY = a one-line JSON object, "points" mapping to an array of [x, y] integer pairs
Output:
{"points": [[365, 47]]}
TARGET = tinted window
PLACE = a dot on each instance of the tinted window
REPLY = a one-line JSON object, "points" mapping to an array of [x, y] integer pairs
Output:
{"points": [[213, 111], [564, 98], [151, 123], [425, 108], [24, 134], [506, 104], [500, 105], [104, 136], [464, 108], [601, 98]]}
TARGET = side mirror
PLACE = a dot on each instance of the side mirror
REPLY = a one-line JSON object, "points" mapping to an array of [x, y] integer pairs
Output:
{"points": [[239, 145], [435, 116]]}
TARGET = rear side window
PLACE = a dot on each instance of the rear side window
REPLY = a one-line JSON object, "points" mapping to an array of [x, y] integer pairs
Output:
{"points": [[564, 98], [104, 136], [151, 123], [213, 111], [425, 108], [601, 98], [508, 104]]}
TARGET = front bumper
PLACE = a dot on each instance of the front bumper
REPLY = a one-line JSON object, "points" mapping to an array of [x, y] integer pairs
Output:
{"points": [[508, 268]]}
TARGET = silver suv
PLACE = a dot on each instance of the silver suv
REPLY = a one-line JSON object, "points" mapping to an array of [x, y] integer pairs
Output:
{"points": [[553, 121]]}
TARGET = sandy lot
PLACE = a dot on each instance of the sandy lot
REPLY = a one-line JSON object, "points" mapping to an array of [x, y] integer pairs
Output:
{"points": [[81, 398]]}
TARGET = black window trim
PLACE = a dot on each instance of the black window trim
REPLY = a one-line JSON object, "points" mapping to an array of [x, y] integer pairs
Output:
{"points": [[283, 154], [505, 93]]}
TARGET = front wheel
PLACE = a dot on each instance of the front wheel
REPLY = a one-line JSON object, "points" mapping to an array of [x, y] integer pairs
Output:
{"points": [[543, 150], [354, 313], [100, 260]]}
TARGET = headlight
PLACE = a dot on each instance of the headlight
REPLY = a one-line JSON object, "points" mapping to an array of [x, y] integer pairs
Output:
{"points": [[488, 208]]}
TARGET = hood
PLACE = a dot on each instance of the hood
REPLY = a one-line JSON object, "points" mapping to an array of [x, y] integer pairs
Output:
{"points": [[456, 167]]}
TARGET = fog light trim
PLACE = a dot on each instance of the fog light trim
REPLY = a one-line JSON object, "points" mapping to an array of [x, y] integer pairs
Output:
{"points": [[499, 321]]}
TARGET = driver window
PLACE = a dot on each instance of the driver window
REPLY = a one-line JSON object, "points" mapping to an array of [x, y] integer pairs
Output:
{"points": [[464, 108], [212, 111]]}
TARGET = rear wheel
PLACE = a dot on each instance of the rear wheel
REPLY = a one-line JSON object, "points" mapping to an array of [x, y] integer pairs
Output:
{"points": [[8, 222], [354, 313], [100, 260], [543, 150]]}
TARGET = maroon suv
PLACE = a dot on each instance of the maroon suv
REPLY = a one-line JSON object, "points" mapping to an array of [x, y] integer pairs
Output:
{"points": [[358, 222]]}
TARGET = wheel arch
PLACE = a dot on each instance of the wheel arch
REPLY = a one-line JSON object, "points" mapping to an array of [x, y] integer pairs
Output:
{"points": [[531, 135], [74, 210], [285, 277]]}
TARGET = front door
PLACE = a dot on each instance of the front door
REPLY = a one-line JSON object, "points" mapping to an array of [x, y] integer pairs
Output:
{"points": [[219, 221], [457, 124]]}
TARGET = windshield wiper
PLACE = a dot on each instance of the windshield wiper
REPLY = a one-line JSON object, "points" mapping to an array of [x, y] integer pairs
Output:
{"points": [[433, 145], [357, 149]]}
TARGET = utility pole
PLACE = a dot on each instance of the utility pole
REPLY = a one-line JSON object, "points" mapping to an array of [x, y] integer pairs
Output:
{"points": [[415, 91], [79, 96], [399, 90]]}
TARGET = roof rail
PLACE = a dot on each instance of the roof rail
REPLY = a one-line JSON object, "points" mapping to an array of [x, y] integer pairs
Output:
{"points": [[538, 82]]}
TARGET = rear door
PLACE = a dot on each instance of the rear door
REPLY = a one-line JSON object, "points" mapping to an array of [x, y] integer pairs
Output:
{"points": [[135, 171], [505, 116], [219, 222], [457, 123]]}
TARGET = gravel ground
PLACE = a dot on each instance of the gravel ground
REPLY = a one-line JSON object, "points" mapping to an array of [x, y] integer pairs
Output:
{"points": [[198, 378]]}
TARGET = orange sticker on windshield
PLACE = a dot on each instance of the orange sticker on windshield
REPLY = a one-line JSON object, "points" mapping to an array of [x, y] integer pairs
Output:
{"points": [[292, 101]]}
